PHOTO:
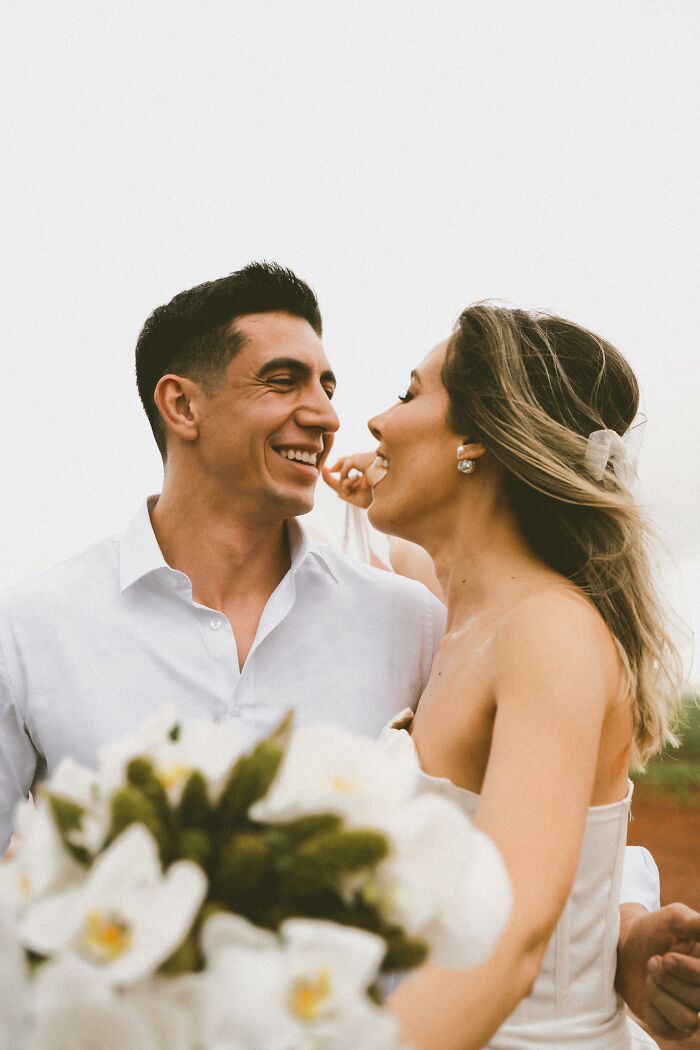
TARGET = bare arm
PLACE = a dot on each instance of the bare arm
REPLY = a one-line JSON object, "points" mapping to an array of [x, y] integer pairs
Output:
{"points": [[408, 559], [665, 992], [556, 672]]}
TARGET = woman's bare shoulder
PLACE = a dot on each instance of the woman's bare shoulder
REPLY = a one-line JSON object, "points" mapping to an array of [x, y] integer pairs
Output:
{"points": [[558, 626]]}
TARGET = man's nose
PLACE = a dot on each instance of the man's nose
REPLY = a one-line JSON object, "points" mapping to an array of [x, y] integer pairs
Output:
{"points": [[318, 411]]}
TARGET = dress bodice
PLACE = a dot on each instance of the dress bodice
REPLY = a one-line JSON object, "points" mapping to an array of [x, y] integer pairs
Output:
{"points": [[573, 1004]]}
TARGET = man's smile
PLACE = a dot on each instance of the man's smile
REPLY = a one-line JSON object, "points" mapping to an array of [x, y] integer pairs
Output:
{"points": [[303, 459]]}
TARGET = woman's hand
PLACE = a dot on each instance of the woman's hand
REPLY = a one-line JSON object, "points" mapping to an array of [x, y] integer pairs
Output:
{"points": [[353, 481]]}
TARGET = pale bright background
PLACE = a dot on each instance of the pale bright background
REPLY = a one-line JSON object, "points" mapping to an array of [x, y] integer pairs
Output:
{"points": [[405, 158]]}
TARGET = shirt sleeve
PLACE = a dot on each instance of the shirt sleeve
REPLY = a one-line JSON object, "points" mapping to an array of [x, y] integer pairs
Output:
{"points": [[641, 883], [18, 758]]}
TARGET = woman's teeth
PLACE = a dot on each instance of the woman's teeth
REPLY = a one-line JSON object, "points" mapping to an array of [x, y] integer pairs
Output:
{"points": [[377, 470], [299, 456]]}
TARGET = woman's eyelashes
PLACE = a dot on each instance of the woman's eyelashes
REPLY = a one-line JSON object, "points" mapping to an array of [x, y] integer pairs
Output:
{"points": [[408, 396]]}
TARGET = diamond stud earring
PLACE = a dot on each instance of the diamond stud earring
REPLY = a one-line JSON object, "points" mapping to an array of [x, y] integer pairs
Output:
{"points": [[464, 466]]}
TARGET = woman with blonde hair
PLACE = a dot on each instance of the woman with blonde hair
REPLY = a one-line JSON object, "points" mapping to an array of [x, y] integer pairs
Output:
{"points": [[509, 460]]}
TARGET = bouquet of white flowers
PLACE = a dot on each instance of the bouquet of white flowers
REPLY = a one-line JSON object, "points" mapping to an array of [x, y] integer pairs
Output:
{"points": [[189, 895]]}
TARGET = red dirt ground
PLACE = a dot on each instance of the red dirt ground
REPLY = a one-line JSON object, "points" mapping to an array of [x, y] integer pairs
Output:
{"points": [[671, 830]]}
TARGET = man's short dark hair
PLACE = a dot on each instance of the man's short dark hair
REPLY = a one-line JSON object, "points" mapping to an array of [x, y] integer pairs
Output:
{"points": [[191, 335]]}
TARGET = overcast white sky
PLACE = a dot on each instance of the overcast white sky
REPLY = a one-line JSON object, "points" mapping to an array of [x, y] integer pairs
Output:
{"points": [[404, 157]]}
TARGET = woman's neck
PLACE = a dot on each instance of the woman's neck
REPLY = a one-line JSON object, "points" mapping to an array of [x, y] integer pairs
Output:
{"points": [[481, 559]]}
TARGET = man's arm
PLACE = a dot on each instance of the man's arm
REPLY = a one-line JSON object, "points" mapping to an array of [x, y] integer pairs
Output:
{"points": [[658, 967], [17, 756]]}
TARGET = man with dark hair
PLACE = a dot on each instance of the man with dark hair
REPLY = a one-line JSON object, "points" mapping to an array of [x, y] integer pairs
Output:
{"points": [[192, 335], [213, 596]]}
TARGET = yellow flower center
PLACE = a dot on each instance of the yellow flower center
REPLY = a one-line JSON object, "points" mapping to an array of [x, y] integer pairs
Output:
{"points": [[106, 936], [174, 776], [345, 787], [308, 996], [25, 885]]}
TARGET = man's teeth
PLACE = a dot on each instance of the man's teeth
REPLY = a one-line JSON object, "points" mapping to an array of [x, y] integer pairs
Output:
{"points": [[301, 457]]}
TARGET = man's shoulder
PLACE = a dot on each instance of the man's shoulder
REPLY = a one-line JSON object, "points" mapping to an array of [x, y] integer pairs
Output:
{"points": [[93, 568], [355, 577]]}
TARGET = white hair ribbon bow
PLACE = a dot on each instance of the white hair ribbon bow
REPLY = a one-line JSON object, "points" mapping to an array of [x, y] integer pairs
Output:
{"points": [[606, 446]]}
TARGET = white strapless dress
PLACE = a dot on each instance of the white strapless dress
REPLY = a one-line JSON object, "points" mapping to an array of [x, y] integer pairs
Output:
{"points": [[573, 1005]]}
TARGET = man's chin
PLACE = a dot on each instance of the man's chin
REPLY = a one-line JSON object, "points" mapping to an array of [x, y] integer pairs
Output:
{"points": [[298, 503]]}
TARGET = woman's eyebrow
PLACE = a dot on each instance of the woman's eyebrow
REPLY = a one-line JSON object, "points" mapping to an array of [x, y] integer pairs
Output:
{"points": [[415, 376], [293, 364]]}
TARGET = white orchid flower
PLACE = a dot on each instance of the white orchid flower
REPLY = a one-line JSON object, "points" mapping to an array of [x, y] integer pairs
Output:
{"points": [[443, 881], [207, 746], [312, 980], [74, 1009], [127, 917], [173, 1008], [82, 786], [113, 758], [326, 769], [39, 863], [13, 982]]}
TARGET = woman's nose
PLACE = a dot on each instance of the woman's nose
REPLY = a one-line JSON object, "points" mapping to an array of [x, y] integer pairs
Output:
{"points": [[375, 428]]}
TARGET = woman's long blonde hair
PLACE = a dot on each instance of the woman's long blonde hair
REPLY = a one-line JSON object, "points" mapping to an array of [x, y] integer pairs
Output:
{"points": [[532, 387]]}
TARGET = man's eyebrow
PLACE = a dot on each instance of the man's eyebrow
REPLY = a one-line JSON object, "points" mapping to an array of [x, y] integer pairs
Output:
{"points": [[293, 364]]}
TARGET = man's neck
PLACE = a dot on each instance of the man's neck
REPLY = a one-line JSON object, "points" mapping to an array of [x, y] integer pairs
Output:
{"points": [[228, 559]]}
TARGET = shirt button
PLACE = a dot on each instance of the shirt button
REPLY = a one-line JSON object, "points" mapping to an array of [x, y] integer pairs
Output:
{"points": [[215, 623], [237, 710]]}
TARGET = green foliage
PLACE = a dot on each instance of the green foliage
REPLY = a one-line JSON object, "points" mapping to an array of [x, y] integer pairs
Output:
{"points": [[677, 772], [690, 730], [244, 863], [194, 844], [186, 958], [324, 859], [298, 831], [68, 817], [140, 774], [266, 873], [194, 810], [131, 806], [249, 780], [403, 953]]}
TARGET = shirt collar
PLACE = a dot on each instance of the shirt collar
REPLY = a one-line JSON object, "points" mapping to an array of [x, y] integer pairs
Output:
{"points": [[302, 543], [139, 553]]}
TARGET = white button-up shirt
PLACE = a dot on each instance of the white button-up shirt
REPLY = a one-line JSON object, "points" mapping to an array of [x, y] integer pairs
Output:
{"points": [[93, 646]]}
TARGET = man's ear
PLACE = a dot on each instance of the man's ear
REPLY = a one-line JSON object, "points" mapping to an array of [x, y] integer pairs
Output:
{"points": [[177, 399]]}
